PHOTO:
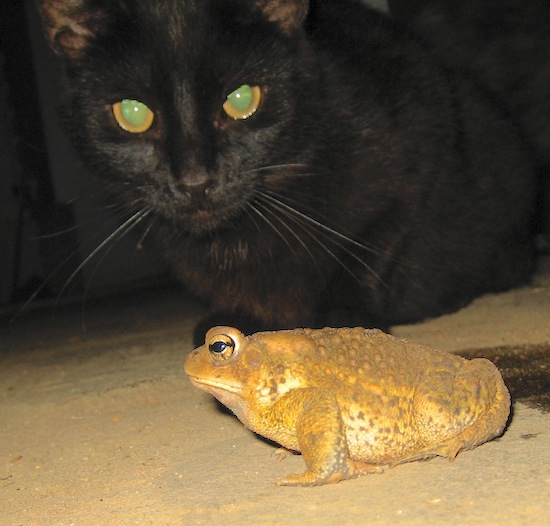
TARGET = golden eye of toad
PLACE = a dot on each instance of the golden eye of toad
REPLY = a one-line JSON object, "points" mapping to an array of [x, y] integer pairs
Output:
{"points": [[221, 347]]}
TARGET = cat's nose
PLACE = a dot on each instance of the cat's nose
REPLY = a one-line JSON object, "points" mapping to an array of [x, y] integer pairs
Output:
{"points": [[195, 187]]}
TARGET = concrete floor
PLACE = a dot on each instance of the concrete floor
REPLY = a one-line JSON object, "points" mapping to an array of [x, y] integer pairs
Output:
{"points": [[99, 425]]}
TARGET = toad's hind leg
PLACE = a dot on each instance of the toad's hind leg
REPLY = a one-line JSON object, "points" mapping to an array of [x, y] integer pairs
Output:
{"points": [[320, 435], [321, 438], [470, 407]]}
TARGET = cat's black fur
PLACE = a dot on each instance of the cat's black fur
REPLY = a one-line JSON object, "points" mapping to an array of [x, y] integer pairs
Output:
{"points": [[371, 187], [505, 45]]}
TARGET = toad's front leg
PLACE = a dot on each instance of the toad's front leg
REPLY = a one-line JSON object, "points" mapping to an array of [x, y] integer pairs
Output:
{"points": [[312, 418]]}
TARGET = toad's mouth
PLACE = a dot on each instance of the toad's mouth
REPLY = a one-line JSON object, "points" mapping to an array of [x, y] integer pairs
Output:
{"points": [[214, 385]]}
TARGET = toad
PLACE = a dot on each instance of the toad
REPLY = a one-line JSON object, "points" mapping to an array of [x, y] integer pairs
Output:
{"points": [[351, 400]]}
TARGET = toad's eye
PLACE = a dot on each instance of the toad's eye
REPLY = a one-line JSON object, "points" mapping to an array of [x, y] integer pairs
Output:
{"points": [[221, 347], [243, 102], [133, 116]]}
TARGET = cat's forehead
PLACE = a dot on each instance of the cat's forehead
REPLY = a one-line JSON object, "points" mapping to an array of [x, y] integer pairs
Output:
{"points": [[186, 22], [220, 34], [193, 46]]}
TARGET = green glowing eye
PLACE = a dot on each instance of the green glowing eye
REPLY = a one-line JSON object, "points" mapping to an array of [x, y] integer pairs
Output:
{"points": [[133, 116], [241, 98], [243, 102]]}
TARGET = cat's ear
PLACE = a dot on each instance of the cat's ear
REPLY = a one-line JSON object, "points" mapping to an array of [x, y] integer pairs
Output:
{"points": [[70, 25], [289, 14]]}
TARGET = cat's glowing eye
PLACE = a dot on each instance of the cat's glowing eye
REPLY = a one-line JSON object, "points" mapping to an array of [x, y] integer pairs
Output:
{"points": [[133, 116], [243, 102]]}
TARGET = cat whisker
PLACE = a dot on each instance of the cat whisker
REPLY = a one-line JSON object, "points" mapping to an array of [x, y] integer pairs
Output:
{"points": [[297, 198], [252, 217], [270, 224], [377, 251], [43, 237], [305, 228], [77, 227], [286, 166], [116, 235], [111, 245], [44, 284], [314, 228], [139, 244], [278, 199], [278, 218], [49, 277]]}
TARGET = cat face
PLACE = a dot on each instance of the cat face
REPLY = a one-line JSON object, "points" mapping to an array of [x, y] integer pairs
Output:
{"points": [[189, 108]]}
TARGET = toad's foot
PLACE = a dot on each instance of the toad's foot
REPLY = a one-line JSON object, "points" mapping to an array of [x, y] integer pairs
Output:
{"points": [[354, 469], [282, 452]]}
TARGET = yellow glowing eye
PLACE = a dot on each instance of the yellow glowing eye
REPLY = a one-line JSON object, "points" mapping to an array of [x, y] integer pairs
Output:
{"points": [[221, 347], [133, 116], [243, 102]]}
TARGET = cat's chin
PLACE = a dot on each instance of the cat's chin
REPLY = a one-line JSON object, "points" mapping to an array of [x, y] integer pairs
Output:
{"points": [[200, 225], [203, 221]]}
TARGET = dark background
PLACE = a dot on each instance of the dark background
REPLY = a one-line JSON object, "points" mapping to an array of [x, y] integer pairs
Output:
{"points": [[51, 213]]}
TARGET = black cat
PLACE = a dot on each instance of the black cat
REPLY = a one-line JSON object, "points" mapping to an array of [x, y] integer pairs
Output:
{"points": [[300, 163]]}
